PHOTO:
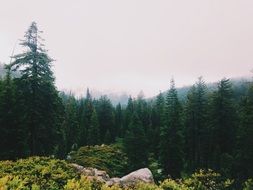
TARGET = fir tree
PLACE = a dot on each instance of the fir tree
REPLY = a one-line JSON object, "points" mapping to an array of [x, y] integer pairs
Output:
{"points": [[222, 125], [13, 141], [36, 84], [93, 131], [135, 144], [85, 119], [244, 153], [171, 143], [196, 126]]}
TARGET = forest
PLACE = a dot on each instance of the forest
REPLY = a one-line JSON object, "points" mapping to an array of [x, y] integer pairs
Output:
{"points": [[211, 128]]}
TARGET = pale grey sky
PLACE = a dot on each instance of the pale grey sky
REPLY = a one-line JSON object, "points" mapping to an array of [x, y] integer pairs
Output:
{"points": [[133, 45]]}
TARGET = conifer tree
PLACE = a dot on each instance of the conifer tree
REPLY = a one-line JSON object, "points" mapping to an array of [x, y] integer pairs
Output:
{"points": [[36, 84], [135, 144], [106, 119], [12, 137], [157, 115], [244, 153], [71, 125], [86, 115], [222, 125], [171, 142], [119, 120], [93, 131], [196, 126]]}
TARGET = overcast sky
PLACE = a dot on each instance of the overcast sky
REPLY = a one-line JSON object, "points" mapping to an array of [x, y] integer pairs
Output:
{"points": [[133, 45]]}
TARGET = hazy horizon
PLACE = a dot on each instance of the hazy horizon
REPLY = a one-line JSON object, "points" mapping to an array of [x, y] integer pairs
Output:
{"points": [[129, 46]]}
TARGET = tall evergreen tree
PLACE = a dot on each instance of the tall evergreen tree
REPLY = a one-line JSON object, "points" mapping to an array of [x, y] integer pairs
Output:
{"points": [[85, 120], [222, 123], [13, 141], [171, 143], [106, 118], [70, 122], [157, 115], [244, 153], [135, 143], [196, 126], [93, 131], [119, 121], [36, 84]]}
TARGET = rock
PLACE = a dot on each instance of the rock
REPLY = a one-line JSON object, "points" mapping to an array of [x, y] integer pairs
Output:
{"points": [[92, 173], [88, 171], [141, 175], [113, 181], [130, 180], [77, 167]]}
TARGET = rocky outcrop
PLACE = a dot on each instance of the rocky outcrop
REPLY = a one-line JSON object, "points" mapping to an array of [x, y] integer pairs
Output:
{"points": [[142, 175], [92, 173]]}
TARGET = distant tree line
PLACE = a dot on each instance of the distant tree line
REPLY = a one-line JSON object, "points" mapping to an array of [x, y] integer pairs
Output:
{"points": [[209, 129]]}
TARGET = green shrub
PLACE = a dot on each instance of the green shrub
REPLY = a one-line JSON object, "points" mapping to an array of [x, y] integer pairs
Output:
{"points": [[170, 184], [35, 173], [208, 179], [105, 157], [201, 180], [82, 184], [248, 185]]}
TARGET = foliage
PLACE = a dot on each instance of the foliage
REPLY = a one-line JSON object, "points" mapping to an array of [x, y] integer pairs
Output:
{"points": [[171, 143], [248, 185], [35, 172], [75, 184], [135, 144], [105, 157]]}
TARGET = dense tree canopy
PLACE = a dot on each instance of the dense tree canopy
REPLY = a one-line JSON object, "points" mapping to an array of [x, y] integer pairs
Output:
{"points": [[211, 128]]}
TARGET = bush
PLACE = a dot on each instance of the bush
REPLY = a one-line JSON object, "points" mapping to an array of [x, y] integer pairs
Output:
{"points": [[75, 184], [105, 157], [248, 185], [201, 180], [35, 173]]}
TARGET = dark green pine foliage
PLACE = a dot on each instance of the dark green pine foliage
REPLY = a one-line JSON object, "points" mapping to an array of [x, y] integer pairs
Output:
{"points": [[119, 121], [106, 119], [143, 110], [93, 131], [244, 156], [70, 122], [85, 118], [196, 136], [157, 115], [222, 125], [41, 101], [128, 113], [135, 144], [12, 136], [171, 139]]}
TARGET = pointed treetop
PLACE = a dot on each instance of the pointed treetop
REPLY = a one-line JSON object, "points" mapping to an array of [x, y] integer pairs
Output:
{"points": [[88, 95]]}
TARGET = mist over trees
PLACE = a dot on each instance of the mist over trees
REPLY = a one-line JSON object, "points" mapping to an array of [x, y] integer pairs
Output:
{"points": [[209, 128]]}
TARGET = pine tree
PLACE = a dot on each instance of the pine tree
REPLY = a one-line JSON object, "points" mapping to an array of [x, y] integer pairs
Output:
{"points": [[157, 115], [70, 123], [196, 126], [119, 120], [93, 131], [244, 153], [106, 118], [135, 144], [171, 139], [86, 115], [36, 84], [128, 115], [222, 125], [12, 137]]}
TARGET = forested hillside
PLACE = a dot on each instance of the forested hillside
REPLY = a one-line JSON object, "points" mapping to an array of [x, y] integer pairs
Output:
{"points": [[209, 129]]}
